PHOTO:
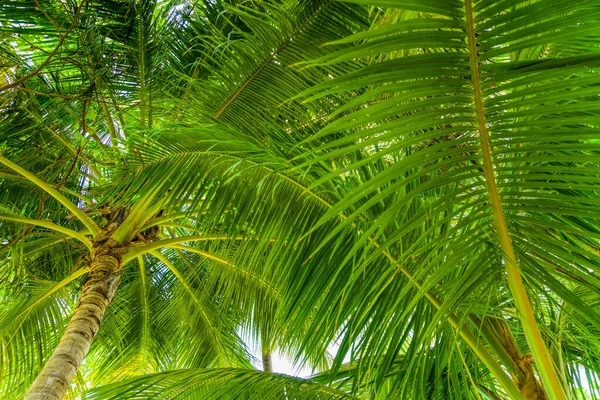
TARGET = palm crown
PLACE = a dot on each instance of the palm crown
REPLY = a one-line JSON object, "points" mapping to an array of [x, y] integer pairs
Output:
{"points": [[414, 180]]}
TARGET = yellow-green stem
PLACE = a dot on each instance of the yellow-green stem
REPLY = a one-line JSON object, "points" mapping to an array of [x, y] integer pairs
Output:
{"points": [[80, 215], [139, 250], [534, 338], [49, 225], [473, 342]]}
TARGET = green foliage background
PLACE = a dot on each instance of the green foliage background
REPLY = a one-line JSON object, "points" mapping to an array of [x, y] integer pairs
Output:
{"points": [[313, 172]]}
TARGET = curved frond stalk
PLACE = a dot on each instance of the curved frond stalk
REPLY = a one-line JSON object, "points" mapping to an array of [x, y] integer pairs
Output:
{"points": [[218, 383], [54, 289], [454, 320], [142, 64], [269, 59], [377, 231], [536, 343], [470, 339], [136, 251], [80, 215], [145, 11], [462, 359], [110, 123], [193, 295], [223, 261], [68, 191], [49, 225], [137, 216]]}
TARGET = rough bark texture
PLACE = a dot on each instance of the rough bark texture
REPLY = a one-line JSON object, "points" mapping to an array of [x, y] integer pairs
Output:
{"points": [[267, 364], [525, 379], [97, 293]]}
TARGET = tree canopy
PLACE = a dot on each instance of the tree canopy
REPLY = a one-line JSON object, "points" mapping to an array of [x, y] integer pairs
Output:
{"points": [[413, 184]]}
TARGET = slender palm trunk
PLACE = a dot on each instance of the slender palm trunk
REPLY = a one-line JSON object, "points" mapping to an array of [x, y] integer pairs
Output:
{"points": [[266, 359], [265, 345], [97, 293]]}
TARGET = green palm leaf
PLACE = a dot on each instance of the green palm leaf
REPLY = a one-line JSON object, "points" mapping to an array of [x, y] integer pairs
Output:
{"points": [[410, 185], [216, 384]]}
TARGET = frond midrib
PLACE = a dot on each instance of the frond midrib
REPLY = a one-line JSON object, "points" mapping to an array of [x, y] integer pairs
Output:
{"points": [[269, 58], [532, 333]]}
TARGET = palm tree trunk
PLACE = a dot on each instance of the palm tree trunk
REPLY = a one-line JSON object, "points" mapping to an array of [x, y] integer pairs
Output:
{"points": [[266, 359], [97, 293], [524, 375], [265, 345]]}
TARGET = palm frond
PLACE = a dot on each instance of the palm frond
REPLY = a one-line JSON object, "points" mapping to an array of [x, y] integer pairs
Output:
{"points": [[226, 383]]}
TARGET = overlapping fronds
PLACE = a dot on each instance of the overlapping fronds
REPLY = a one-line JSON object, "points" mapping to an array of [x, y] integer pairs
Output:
{"points": [[32, 318], [216, 383], [243, 73], [414, 181], [476, 148]]}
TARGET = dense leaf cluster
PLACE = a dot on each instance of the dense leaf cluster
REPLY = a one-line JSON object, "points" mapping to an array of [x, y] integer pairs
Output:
{"points": [[401, 195]]}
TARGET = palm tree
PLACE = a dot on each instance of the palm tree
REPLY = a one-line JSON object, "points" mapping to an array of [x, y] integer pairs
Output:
{"points": [[130, 216], [421, 190]]}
